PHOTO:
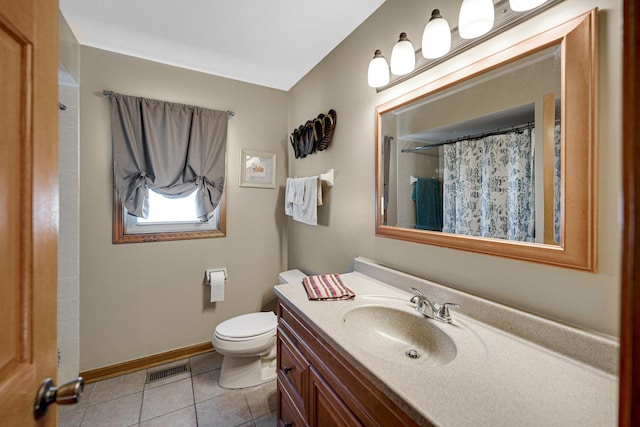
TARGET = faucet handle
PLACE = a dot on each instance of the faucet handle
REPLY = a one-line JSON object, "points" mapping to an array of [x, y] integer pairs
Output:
{"points": [[443, 312], [418, 298], [416, 291]]}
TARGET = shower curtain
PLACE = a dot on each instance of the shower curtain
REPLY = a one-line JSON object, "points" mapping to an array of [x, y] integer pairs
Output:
{"points": [[489, 187], [557, 199]]}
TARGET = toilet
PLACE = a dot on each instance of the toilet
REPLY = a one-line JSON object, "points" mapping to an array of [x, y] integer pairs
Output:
{"points": [[248, 344]]}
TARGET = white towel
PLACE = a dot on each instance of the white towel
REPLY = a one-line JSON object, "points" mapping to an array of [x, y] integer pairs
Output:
{"points": [[307, 212], [289, 197], [302, 197], [297, 197]]}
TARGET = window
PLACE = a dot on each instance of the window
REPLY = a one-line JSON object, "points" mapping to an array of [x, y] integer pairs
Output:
{"points": [[168, 170], [168, 219], [165, 214]]}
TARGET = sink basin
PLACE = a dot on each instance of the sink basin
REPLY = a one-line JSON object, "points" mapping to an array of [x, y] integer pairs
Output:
{"points": [[397, 333]]}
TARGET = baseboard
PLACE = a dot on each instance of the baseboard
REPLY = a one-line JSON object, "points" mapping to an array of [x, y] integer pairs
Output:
{"points": [[145, 362]]}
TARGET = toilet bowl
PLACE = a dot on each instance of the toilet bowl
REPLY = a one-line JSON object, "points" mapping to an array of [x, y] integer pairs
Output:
{"points": [[248, 344]]}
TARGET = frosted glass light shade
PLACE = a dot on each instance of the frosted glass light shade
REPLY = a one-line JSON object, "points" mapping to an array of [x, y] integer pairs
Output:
{"points": [[476, 18], [522, 5], [436, 39], [403, 56], [378, 75]]}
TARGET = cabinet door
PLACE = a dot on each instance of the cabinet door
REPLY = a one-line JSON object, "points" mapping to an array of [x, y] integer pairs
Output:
{"points": [[288, 415], [293, 370], [327, 409]]}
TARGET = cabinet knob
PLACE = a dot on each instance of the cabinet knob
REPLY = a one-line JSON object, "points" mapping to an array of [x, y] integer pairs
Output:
{"points": [[286, 370]]}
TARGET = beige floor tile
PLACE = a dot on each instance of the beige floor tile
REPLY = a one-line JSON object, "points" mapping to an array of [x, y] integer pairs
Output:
{"points": [[230, 409], [85, 397], [114, 388], [205, 362], [70, 415], [126, 400], [124, 412], [167, 398], [262, 399], [185, 417], [205, 386], [270, 420]]}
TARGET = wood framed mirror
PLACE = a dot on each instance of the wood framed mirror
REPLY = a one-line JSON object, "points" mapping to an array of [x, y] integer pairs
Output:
{"points": [[499, 157]]}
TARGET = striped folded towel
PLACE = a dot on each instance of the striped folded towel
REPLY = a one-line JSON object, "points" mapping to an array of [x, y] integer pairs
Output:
{"points": [[326, 287]]}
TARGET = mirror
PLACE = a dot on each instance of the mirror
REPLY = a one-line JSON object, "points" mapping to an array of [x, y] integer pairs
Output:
{"points": [[498, 157]]}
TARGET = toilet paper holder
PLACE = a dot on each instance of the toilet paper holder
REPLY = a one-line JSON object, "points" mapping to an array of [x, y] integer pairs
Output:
{"points": [[210, 272]]}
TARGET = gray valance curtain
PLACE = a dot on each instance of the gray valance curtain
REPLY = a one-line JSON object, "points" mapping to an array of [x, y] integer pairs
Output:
{"points": [[173, 149]]}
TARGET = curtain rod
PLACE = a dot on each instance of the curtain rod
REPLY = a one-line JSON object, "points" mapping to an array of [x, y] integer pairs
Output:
{"points": [[111, 93], [502, 131]]}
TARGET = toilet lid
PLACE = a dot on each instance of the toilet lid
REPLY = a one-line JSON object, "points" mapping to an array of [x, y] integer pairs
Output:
{"points": [[248, 325]]}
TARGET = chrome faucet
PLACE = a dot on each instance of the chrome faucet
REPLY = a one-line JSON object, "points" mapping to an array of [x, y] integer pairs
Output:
{"points": [[430, 309]]}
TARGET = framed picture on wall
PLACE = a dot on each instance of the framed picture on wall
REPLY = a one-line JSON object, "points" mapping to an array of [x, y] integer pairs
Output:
{"points": [[257, 169]]}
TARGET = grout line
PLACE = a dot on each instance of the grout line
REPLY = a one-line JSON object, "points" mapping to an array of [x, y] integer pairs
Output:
{"points": [[193, 392], [248, 406], [84, 413], [144, 391]]}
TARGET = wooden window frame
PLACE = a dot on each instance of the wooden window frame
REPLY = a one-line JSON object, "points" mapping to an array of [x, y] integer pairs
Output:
{"points": [[119, 235]]}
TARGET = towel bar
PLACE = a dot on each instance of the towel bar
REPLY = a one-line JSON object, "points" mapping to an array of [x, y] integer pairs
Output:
{"points": [[327, 178]]}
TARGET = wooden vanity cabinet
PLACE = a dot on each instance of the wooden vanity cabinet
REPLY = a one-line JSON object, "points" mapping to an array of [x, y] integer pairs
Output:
{"points": [[327, 409], [318, 387]]}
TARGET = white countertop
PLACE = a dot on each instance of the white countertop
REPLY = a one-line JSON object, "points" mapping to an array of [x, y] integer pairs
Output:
{"points": [[496, 378]]}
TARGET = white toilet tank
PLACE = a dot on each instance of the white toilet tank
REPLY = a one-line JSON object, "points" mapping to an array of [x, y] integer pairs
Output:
{"points": [[291, 276]]}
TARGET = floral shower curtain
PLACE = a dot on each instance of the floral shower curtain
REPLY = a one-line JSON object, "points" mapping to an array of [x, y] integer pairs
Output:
{"points": [[489, 187], [557, 199]]}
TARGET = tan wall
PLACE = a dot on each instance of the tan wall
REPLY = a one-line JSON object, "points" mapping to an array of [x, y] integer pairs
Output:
{"points": [[141, 299], [590, 301]]}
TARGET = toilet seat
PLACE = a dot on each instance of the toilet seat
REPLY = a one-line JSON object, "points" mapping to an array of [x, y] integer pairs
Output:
{"points": [[248, 327]]}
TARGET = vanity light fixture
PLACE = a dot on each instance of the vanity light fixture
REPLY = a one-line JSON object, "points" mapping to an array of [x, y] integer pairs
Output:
{"points": [[378, 75], [476, 18], [478, 21], [403, 56], [436, 39], [522, 5]]}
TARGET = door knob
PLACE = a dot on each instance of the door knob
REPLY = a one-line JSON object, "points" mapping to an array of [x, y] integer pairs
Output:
{"points": [[66, 394]]}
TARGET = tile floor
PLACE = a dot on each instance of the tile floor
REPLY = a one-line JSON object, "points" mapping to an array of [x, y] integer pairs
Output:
{"points": [[184, 400]]}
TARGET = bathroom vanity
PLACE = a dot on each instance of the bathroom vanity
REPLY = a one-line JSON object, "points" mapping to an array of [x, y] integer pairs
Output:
{"points": [[318, 387], [374, 360]]}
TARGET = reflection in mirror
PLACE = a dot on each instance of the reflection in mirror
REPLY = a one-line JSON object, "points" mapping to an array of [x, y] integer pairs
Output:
{"points": [[480, 170], [498, 157]]}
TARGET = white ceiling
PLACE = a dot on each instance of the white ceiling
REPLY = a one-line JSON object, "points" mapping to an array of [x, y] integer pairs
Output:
{"points": [[271, 43]]}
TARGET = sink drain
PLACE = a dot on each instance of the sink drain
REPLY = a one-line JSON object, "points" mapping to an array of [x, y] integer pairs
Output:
{"points": [[412, 354]]}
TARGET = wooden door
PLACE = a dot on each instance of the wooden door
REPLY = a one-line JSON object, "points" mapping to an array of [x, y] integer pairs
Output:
{"points": [[28, 205], [629, 412]]}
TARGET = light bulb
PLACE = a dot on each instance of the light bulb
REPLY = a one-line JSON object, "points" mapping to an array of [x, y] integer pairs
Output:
{"points": [[522, 5], [476, 18], [378, 74], [436, 39], [403, 56]]}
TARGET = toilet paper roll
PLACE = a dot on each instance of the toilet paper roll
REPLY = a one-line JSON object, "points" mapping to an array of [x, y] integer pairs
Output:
{"points": [[216, 281]]}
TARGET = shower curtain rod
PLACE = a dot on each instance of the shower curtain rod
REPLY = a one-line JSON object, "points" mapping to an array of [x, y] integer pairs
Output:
{"points": [[110, 93], [501, 131]]}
